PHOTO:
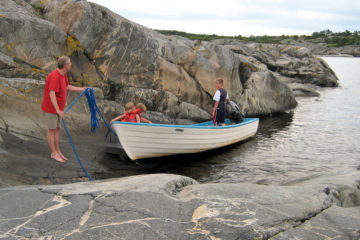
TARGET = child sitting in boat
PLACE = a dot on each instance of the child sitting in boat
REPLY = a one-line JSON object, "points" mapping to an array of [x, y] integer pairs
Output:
{"points": [[132, 113], [129, 109], [141, 108]]}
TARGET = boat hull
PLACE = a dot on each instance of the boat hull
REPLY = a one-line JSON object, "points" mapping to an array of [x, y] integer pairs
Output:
{"points": [[141, 140]]}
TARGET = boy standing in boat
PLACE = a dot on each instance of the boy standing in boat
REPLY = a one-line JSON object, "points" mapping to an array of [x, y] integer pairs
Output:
{"points": [[221, 96]]}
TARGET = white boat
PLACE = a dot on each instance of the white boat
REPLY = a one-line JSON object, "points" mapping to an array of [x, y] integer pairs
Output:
{"points": [[143, 140]]}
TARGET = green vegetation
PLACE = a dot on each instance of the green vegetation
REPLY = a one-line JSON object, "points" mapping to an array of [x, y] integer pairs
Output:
{"points": [[192, 36], [330, 38], [337, 39], [39, 10], [36, 7]]}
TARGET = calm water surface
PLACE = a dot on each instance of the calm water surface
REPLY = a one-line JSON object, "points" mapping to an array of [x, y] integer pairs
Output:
{"points": [[322, 135]]}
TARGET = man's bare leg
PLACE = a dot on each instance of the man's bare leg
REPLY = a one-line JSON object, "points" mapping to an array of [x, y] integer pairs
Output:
{"points": [[51, 141], [57, 143]]}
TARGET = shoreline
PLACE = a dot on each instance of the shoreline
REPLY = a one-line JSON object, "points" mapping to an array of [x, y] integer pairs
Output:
{"points": [[339, 55]]}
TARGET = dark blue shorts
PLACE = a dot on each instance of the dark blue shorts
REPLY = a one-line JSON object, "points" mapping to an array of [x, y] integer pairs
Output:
{"points": [[220, 116]]}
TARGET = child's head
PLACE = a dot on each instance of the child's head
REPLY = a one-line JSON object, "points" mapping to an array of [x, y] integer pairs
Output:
{"points": [[219, 83], [142, 107], [129, 107]]}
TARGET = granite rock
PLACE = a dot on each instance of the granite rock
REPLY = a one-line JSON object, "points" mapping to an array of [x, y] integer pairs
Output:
{"points": [[163, 206], [125, 59]]}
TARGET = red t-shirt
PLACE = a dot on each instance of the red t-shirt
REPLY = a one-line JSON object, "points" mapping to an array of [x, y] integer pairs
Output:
{"points": [[58, 83]]}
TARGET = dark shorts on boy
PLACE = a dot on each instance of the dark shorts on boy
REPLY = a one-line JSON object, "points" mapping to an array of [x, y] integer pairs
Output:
{"points": [[53, 121], [220, 116]]}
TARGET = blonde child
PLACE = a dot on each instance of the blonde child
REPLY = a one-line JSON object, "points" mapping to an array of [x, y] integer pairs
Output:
{"points": [[220, 98], [141, 108], [128, 116]]}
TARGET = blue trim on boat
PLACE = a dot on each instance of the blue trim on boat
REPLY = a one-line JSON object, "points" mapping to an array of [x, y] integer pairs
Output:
{"points": [[204, 125]]}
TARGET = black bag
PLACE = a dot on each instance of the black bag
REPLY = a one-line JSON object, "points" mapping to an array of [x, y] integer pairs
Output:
{"points": [[234, 113]]}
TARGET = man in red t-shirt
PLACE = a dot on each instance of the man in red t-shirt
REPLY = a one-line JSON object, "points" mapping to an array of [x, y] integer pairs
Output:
{"points": [[54, 103]]}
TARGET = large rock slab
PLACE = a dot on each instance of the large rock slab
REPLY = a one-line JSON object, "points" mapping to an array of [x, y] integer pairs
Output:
{"points": [[163, 206], [292, 61], [321, 48], [118, 56], [27, 37], [332, 223]]}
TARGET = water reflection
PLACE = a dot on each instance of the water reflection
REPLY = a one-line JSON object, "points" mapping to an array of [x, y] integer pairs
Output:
{"points": [[270, 125]]}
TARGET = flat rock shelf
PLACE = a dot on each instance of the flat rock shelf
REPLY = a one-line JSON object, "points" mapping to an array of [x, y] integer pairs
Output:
{"points": [[165, 206]]}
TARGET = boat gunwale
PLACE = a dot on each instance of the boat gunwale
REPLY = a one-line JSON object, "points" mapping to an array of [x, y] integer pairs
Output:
{"points": [[194, 126]]}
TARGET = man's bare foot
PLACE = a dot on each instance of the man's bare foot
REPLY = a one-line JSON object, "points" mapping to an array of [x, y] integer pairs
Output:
{"points": [[57, 157], [62, 156]]}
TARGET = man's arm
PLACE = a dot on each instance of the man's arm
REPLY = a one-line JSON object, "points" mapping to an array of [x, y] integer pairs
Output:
{"points": [[75, 89], [55, 104]]}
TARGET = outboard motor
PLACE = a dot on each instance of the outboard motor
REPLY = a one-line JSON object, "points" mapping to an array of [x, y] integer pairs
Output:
{"points": [[234, 113]]}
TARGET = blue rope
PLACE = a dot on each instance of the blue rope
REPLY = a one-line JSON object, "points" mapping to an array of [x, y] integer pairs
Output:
{"points": [[96, 116], [73, 103], [76, 154]]}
